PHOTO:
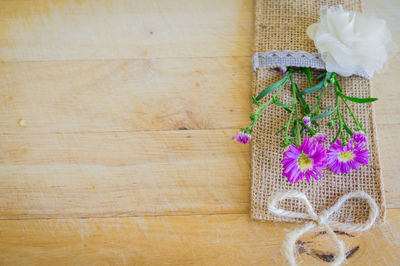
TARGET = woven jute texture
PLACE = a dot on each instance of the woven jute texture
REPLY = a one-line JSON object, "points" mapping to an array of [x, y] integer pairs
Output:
{"points": [[280, 25]]}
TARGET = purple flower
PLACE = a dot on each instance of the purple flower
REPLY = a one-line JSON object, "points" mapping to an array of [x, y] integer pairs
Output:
{"points": [[320, 138], [341, 159], [242, 137], [304, 161], [360, 137], [283, 69], [307, 121]]}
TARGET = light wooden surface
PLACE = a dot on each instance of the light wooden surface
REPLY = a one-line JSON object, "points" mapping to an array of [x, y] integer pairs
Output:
{"points": [[115, 126]]}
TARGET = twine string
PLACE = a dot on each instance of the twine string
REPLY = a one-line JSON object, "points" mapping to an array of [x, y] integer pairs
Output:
{"points": [[321, 220]]}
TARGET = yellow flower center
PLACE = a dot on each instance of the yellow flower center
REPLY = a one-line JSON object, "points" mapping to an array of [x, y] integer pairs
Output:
{"points": [[346, 156], [304, 162]]}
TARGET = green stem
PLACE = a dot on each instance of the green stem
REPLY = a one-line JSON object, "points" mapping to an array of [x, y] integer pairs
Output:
{"points": [[340, 120], [336, 137], [339, 88], [296, 123], [312, 132], [338, 117], [358, 124], [336, 82], [327, 81], [288, 122], [319, 98], [262, 108]]}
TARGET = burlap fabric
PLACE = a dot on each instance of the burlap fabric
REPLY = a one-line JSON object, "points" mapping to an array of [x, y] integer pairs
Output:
{"points": [[280, 25]]}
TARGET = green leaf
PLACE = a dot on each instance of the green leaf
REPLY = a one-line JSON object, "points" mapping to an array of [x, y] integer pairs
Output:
{"points": [[279, 131], [277, 102], [255, 101], [337, 84], [294, 128], [347, 128], [322, 115], [337, 135], [303, 103], [308, 128], [328, 75], [324, 83], [320, 76], [312, 89], [284, 106], [307, 72], [327, 107], [287, 110], [271, 88], [357, 100]]}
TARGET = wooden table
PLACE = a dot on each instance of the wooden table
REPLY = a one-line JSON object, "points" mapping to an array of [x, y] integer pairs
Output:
{"points": [[116, 120]]}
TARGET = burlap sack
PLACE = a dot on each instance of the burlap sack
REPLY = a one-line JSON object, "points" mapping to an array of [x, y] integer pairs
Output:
{"points": [[281, 25]]}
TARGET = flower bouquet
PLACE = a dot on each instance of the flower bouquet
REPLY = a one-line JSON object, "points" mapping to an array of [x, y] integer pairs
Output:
{"points": [[312, 127]]}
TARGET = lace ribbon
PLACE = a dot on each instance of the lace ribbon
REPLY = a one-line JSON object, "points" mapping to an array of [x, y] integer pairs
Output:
{"points": [[323, 219], [290, 58]]}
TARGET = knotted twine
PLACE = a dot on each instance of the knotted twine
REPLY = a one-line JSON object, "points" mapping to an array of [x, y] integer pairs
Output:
{"points": [[321, 220]]}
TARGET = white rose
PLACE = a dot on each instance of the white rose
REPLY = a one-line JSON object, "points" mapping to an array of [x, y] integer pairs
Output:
{"points": [[351, 42]]}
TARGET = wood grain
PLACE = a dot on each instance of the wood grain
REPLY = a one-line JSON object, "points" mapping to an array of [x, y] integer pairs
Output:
{"points": [[201, 172], [117, 174], [75, 30], [120, 148], [142, 94], [178, 240], [123, 174], [58, 117], [115, 126], [124, 95]]}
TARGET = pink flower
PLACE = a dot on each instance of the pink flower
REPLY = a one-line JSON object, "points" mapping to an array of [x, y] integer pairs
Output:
{"points": [[304, 161], [307, 121], [360, 137], [320, 138], [283, 69], [341, 159], [242, 137]]}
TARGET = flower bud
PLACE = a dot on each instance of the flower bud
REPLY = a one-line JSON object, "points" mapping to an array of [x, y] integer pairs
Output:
{"points": [[285, 143], [283, 69], [253, 117]]}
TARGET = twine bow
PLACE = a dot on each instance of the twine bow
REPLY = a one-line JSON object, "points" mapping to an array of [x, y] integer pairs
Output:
{"points": [[323, 219]]}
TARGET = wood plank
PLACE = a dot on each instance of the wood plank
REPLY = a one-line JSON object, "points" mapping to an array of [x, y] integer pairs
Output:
{"points": [[123, 174], [127, 95], [70, 30], [385, 87], [124, 95], [388, 151], [120, 148], [181, 240], [132, 174]]}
